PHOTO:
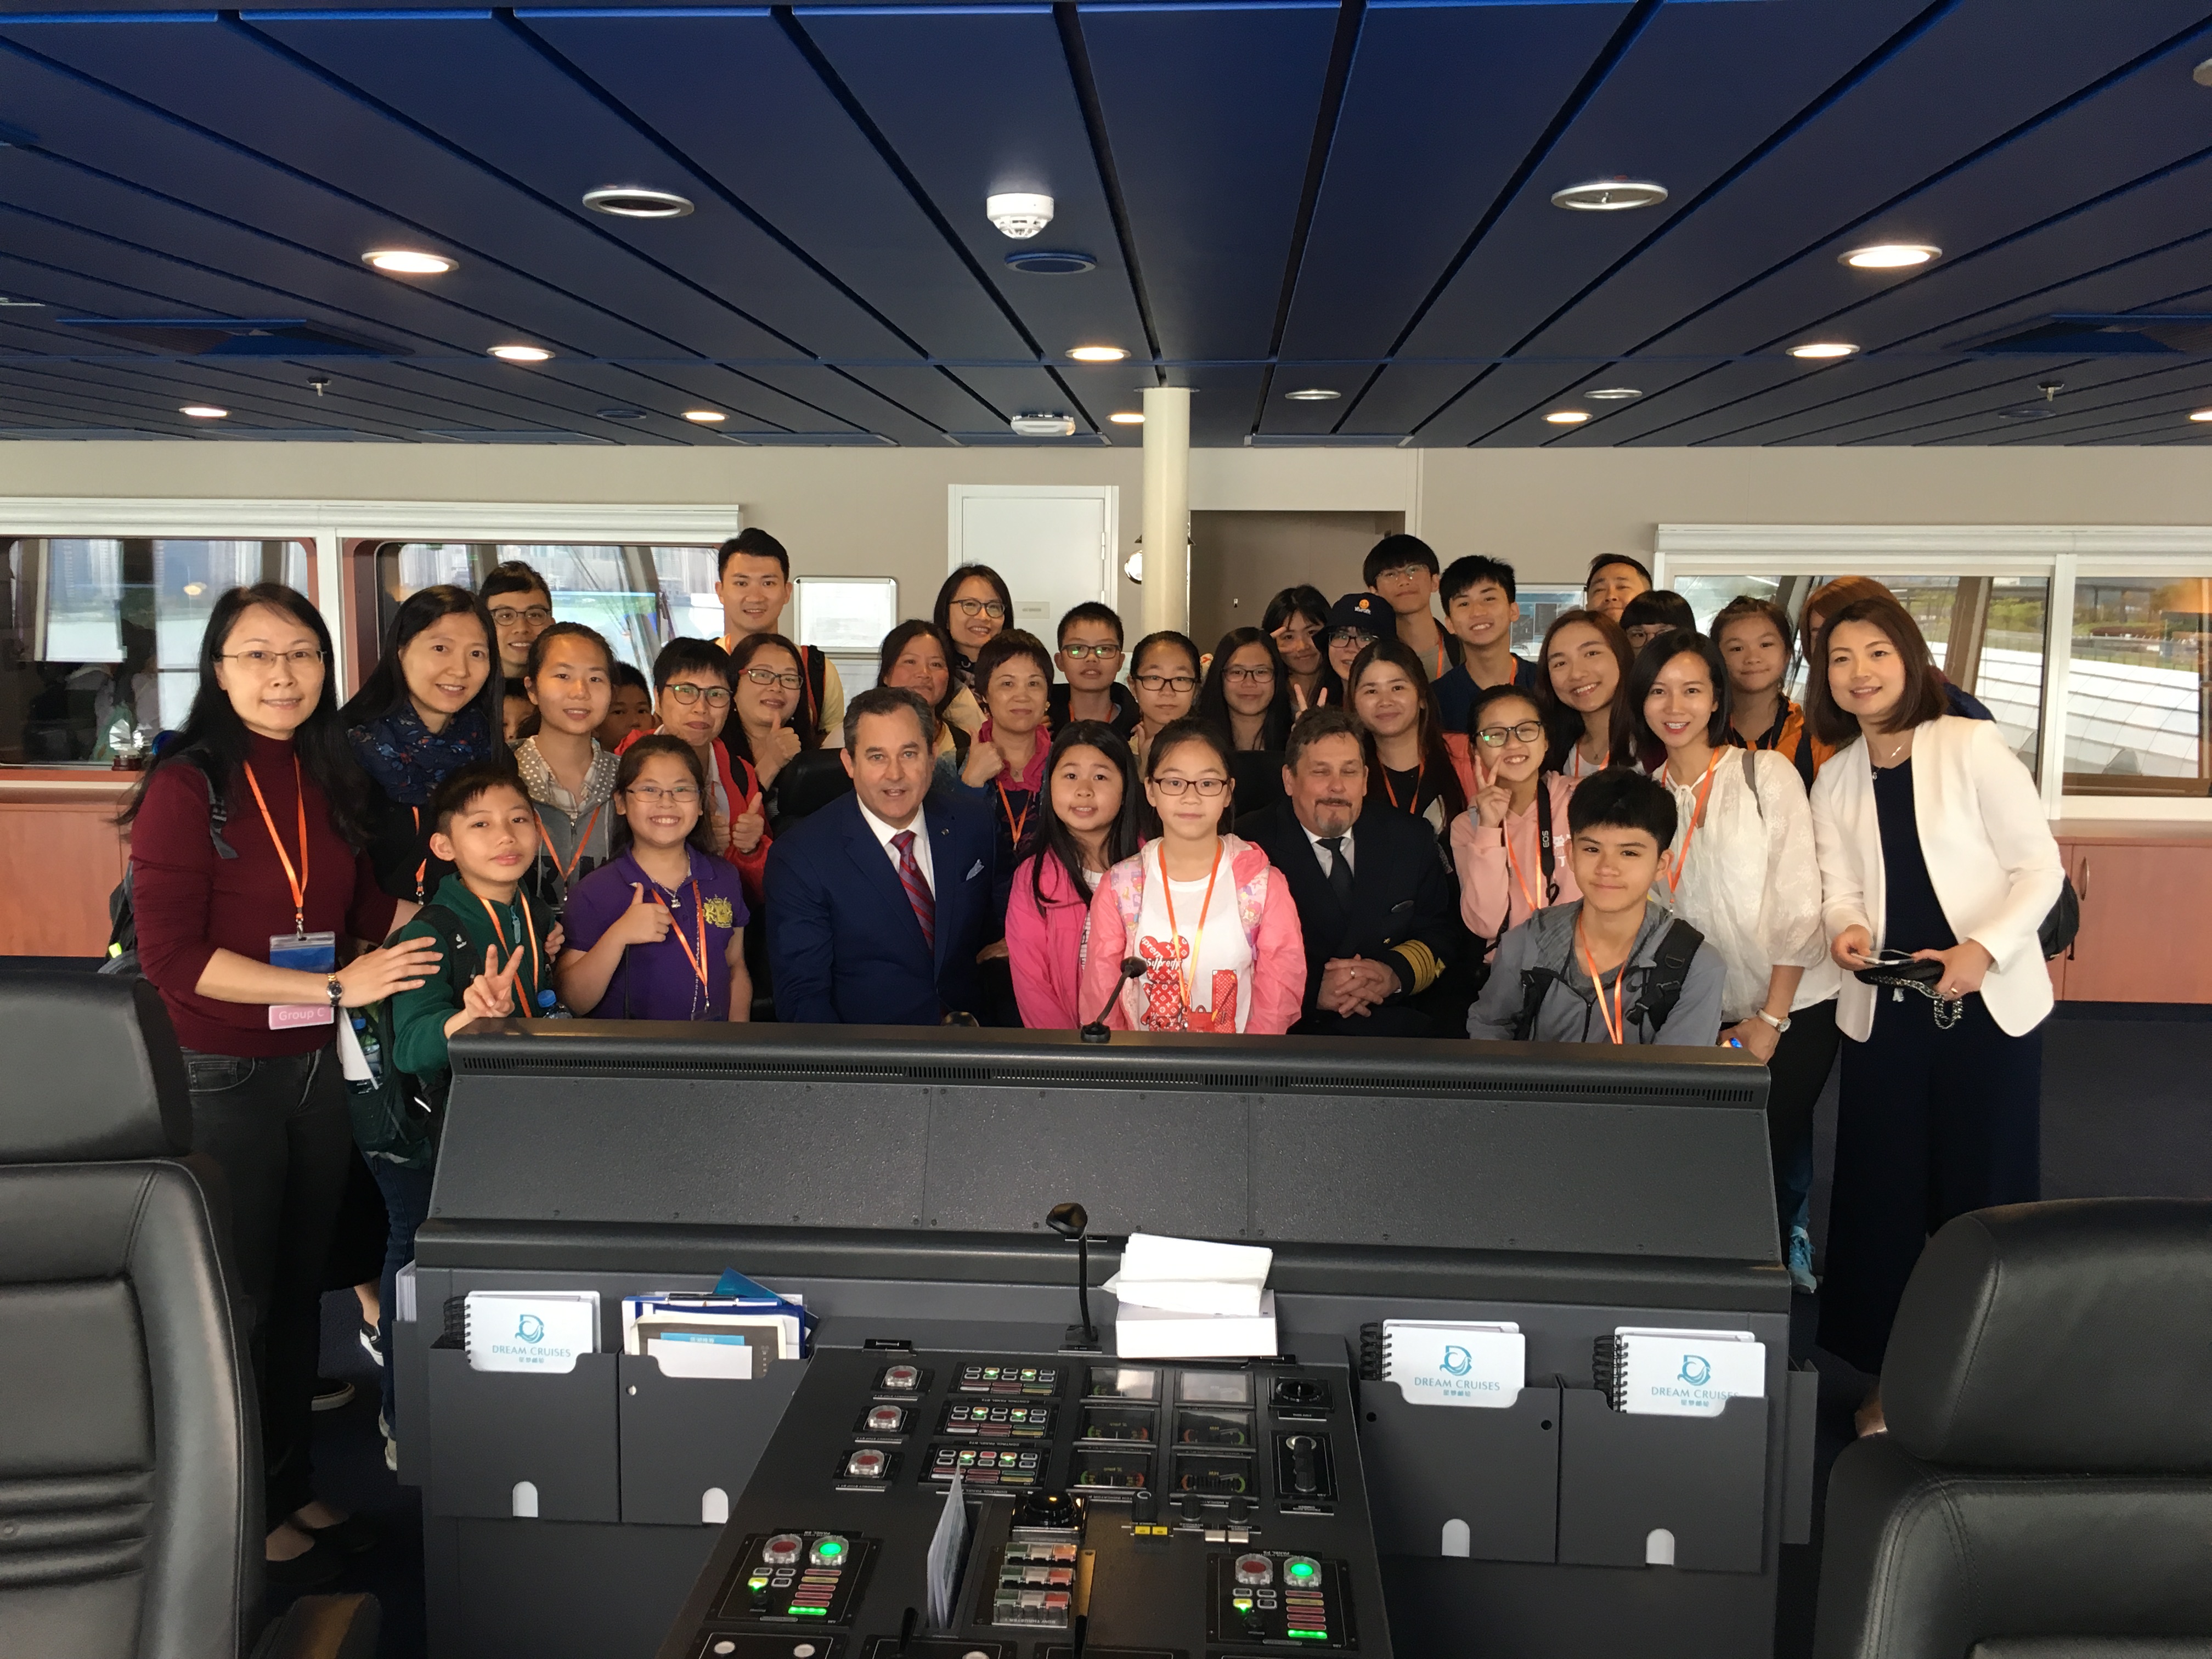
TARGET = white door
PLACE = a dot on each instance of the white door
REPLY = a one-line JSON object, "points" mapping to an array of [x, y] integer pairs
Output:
{"points": [[1054, 545]]}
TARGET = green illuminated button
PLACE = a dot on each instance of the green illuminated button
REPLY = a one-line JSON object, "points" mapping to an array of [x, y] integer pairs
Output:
{"points": [[1301, 1570], [1308, 1635], [828, 1552], [824, 1612]]}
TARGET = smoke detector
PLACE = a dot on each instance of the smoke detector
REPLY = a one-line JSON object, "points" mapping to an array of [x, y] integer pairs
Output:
{"points": [[1043, 426], [1020, 214], [1609, 195]]}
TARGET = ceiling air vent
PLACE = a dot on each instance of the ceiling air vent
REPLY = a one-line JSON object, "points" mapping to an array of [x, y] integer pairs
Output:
{"points": [[2099, 334], [234, 337]]}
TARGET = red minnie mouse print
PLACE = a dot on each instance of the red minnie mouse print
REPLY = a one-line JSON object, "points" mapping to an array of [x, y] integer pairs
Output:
{"points": [[1162, 986]]}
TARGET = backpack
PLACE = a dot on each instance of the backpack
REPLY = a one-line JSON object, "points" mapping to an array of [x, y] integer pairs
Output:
{"points": [[395, 1115], [1655, 1003], [123, 923]]}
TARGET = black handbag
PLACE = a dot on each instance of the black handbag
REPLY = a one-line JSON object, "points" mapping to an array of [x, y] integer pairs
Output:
{"points": [[2064, 921]]}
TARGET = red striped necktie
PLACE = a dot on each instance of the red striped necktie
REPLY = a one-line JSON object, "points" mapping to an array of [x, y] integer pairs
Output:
{"points": [[917, 888]]}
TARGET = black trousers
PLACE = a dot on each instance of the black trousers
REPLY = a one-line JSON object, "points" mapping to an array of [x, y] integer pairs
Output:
{"points": [[1930, 1125], [280, 1131], [1803, 1056]]}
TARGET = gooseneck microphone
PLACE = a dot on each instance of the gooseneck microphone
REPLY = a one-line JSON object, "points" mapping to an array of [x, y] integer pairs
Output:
{"points": [[1097, 1031]]}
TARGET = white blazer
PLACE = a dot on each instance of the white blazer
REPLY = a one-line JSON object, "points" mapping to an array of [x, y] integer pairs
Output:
{"points": [[1990, 858]]}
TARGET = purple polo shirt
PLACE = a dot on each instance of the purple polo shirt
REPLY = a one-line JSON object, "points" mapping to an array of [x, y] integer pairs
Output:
{"points": [[657, 982]]}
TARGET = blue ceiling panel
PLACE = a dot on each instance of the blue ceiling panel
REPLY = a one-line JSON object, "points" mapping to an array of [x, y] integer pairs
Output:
{"points": [[734, 96], [1210, 113], [1702, 87], [1021, 127], [297, 118], [1477, 83]]}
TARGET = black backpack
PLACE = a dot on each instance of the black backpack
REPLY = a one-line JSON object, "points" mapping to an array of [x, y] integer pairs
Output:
{"points": [[395, 1115], [122, 920], [1655, 1003]]}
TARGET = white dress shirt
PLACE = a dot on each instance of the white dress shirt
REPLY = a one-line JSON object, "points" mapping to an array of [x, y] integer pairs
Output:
{"points": [[920, 828], [1320, 853]]}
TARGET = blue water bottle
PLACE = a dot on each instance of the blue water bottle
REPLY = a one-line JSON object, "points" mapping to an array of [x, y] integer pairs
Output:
{"points": [[550, 1006]]}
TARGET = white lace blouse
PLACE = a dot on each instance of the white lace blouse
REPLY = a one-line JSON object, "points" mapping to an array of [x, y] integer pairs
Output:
{"points": [[1750, 881]]}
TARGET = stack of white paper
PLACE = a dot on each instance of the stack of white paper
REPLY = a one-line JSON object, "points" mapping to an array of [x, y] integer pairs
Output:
{"points": [[1188, 1298], [530, 1330], [1680, 1373], [713, 1335]]}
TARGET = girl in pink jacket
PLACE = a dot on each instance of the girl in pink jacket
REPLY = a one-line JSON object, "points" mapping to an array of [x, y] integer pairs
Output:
{"points": [[1496, 844], [1209, 919], [1088, 825]]}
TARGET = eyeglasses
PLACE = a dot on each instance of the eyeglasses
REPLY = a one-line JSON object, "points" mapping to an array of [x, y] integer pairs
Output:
{"points": [[773, 676], [1080, 652], [1352, 636], [682, 795], [991, 608], [262, 661], [1495, 736], [717, 696], [1248, 676], [536, 615], [1167, 681], [1404, 573], [1209, 788]]}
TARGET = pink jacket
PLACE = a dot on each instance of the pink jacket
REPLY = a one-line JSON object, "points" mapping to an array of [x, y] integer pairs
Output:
{"points": [[1270, 927], [1044, 946], [1491, 901]]}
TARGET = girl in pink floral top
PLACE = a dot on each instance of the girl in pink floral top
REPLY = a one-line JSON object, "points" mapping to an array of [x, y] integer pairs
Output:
{"points": [[1210, 918]]}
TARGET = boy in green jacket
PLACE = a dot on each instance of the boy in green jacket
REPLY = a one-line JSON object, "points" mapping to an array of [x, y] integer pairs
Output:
{"points": [[498, 947]]}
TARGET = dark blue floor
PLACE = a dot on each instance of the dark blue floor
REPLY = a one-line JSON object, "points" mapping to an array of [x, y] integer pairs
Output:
{"points": [[2124, 1093]]}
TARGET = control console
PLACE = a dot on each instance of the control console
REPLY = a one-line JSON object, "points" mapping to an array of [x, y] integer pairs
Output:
{"points": [[1109, 1510]]}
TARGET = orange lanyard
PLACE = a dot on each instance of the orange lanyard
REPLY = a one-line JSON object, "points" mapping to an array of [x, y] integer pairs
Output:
{"points": [[1536, 899], [298, 880], [698, 962], [537, 966], [422, 868], [1616, 1025], [1186, 979], [1419, 775], [1697, 818], [582, 841], [1012, 823]]}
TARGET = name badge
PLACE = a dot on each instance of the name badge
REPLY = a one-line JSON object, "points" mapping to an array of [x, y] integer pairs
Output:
{"points": [[310, 953]]}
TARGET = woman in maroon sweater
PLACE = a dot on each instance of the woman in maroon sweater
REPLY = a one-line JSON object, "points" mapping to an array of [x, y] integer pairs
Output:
{"points": [[269, 1102]]}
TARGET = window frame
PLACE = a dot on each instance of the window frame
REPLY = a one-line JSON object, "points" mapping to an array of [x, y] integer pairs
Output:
{"points": [[2060, 554], [333, 525]]}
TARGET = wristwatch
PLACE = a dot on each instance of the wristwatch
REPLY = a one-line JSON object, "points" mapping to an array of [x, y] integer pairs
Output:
{"points": [[337, 990], [1779, 1025]]}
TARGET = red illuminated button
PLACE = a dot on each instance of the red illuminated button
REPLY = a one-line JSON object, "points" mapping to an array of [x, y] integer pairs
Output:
{"points": [[1255, 1569], [886, 1419], [867, 1465], [906, 1379], [782, 1550]]}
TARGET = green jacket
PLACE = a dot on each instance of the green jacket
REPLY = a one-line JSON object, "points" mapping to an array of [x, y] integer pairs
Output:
{"points": [[419, 1017]]}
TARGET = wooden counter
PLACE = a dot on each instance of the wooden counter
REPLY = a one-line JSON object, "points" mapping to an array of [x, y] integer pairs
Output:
{"points": [[61, 855], [2146, 889]]}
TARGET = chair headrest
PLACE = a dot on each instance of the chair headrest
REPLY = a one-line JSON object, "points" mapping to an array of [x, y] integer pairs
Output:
{"points": [[93, 1073], [2064, 1336]]}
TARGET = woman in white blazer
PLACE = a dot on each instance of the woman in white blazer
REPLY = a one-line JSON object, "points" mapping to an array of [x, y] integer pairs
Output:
{"points": [[1931, 840]]}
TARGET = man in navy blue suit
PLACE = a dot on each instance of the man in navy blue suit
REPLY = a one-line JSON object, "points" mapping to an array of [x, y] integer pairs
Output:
{"points": [[880, 901]]}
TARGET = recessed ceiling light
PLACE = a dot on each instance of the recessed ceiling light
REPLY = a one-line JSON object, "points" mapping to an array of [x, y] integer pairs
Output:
{"points": [[1047, 262], [1098, 354], [705, 416], [1610, 195], [409, 262], [1127, 418], [2202, 73], [193, 590], [204, 412], [2200, 414], [521, 354], [1613, 394], [1891, 256], [1313, 394], [1568, 416], [1053, 425], [621, 414], [636, 201], [1813, 349]]}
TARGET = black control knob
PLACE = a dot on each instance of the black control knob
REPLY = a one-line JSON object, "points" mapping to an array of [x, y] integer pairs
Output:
{"points": [[1145, 1506], [1191, 1508], [1049, 1509], [1240, 1511]]}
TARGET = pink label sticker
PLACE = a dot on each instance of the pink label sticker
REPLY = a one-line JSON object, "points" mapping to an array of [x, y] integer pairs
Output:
{"points": [[283, 1016]]}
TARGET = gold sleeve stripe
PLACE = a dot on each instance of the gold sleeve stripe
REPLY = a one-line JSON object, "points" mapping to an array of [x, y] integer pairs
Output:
{"points": [[1422, 960]]}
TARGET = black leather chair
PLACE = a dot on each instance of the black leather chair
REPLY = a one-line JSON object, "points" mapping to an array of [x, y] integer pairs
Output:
{"points": [[2045, 1491], [130, 1521], [809, 782]]}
